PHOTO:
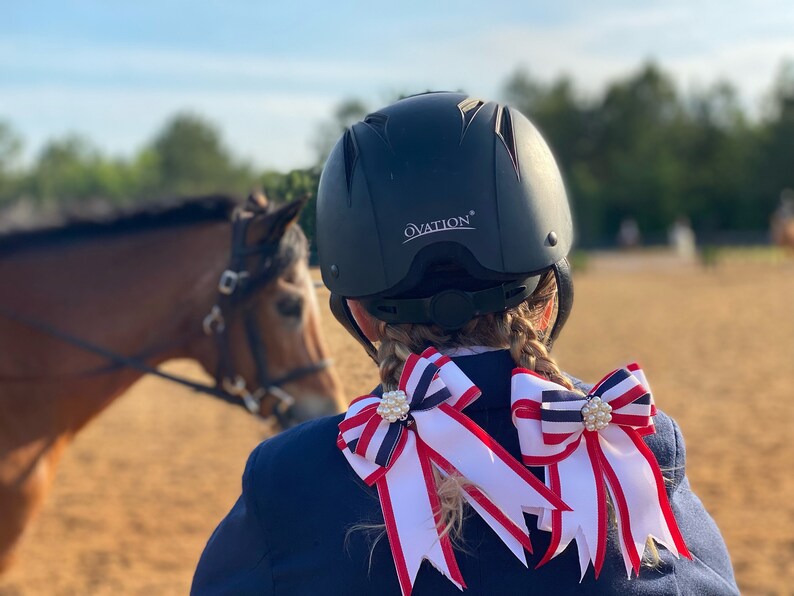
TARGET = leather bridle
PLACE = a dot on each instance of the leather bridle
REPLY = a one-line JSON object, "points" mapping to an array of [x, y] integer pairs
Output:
{"points": [[234, 286]]}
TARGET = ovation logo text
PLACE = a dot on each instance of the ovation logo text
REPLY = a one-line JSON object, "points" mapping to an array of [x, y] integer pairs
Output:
{"points": [[460, 222]]}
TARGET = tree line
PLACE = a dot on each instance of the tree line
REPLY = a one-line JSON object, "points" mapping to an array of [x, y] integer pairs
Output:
{"points": [[639, 148]]}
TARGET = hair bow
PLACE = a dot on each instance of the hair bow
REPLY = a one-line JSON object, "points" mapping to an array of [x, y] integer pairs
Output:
{"points": [[396, 441], [593, 444]]}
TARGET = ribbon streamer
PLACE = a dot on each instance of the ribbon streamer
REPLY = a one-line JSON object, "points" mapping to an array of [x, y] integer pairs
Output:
{"points": [[399, 459], [587, 454]]}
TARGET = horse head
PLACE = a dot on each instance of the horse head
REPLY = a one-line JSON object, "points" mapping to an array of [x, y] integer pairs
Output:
{"points": [[266, 322]]}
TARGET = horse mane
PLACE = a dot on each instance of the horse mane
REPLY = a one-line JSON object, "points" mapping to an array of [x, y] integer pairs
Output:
{"points": [[97, 219]]}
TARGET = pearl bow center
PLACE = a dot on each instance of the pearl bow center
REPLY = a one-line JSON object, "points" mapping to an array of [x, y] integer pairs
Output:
{"points": [[596, 414], [394, 406]]}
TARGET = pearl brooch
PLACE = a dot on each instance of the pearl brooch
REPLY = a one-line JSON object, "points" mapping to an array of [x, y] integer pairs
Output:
{"points": [[596, 414], [394, 406]]}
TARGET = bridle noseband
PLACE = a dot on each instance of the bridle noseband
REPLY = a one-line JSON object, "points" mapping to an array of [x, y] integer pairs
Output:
{"points": [[234, 286]]}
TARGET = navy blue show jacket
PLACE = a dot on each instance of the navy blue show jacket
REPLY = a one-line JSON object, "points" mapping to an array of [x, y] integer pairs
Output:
{"points": [[290, 533]]}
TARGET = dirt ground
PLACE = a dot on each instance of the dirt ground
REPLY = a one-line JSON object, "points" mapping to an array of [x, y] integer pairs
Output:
{"points": [[142, 487]]}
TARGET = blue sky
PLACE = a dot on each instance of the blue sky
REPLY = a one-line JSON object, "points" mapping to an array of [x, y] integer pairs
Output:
{"points": [[269, 72]]}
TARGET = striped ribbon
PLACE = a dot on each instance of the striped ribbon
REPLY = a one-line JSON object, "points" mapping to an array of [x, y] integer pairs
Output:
{"points": [[583, 465], [400, 458]]}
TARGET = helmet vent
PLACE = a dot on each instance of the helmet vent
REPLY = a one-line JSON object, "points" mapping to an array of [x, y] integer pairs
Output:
{"points": [[377, 122], [469, 108], [351, 157], [504, 130]]}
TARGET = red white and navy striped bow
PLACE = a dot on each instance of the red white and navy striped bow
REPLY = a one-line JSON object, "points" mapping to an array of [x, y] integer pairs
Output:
{"points": [[396, 448], [593, 444]]}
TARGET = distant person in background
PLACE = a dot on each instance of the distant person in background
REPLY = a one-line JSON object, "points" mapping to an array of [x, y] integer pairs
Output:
{"points": [[781, 225], [629, 234], [682, 238], [786, 207]]}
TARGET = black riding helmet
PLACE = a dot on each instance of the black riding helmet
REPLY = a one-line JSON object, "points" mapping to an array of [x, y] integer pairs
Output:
{"points": [[439, 208]]}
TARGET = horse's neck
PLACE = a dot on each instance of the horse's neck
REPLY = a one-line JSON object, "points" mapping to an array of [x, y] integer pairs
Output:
{"points": [[141, 293], [179, 271]]}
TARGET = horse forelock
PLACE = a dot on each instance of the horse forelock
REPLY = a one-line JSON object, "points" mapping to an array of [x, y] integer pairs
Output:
{"points": [[295, 242], [292, 248]]}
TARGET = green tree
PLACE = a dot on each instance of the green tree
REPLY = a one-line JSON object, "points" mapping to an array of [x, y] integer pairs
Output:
{"points": [[719, 148], [637, 148], [557, 112], [10, 148], [296, 184], [72, 169], [776, 167], [347, 113], [566, 122], [638, 127], [190, 159]]}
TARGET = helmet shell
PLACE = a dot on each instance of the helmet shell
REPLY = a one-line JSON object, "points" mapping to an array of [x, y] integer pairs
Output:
{"points": [[439, 177]]}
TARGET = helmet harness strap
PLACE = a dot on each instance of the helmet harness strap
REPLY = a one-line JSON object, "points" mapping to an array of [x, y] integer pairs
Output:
{"points": [[451, 309]]}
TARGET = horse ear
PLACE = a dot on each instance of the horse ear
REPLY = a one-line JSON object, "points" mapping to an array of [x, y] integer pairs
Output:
{"points": [[257, 200], [271, 227]]}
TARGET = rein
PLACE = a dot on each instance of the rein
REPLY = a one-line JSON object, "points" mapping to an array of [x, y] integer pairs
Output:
{"points": [[235, 283], [119, 359]]}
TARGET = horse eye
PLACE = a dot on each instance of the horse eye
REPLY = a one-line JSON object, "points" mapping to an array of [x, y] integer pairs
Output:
{"points": [[291, 306]]}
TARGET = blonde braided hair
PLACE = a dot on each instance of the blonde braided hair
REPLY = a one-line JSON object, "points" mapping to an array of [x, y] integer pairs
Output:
{"points": [[516, 329]]}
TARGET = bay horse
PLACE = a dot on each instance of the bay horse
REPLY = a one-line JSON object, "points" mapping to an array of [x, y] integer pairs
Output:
{"points": [[80, 300]]}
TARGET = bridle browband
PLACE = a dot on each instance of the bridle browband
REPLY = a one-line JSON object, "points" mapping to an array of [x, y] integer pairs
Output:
{"points": [[234, 285]]}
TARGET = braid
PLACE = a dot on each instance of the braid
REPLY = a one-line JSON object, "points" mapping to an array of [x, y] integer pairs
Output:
{"points": [[529, 351], [393, 351], [514, 329]]}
